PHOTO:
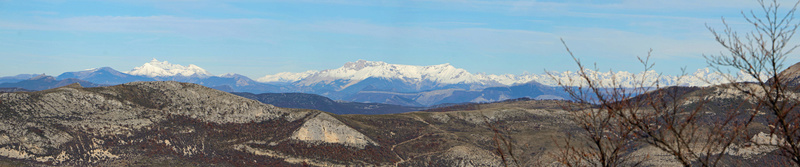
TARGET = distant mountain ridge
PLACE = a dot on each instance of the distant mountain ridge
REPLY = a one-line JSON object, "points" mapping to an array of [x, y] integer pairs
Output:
{"points": [[43, 82], [366, 81], [103, 75], [10, 90], [17, 78], [322, 103], [448, 74], [164, 71], [362, 69]]}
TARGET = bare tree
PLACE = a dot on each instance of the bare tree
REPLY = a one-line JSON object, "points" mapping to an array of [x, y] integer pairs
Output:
{"points": [[504, 147], [604, 139], [616, 119], [760, 54], [682, 128]]}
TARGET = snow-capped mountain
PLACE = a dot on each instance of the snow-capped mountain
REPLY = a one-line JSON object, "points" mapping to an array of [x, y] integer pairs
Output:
{"points": [[362, 69], [156, 68], [286, 76], [375, 81], [701, 77], [164, 71], [353, 72]]}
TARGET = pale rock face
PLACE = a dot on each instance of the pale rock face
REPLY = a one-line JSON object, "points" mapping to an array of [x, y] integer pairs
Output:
{"points": [[763, 143], [156, 68], [14, 153], [325, 128]]}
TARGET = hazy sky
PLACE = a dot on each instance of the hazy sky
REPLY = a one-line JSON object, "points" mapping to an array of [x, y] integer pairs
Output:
{"points": [[256, 38]]}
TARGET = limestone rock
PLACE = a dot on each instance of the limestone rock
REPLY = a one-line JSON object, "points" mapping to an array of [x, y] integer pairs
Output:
{"points": [[324, 128]]}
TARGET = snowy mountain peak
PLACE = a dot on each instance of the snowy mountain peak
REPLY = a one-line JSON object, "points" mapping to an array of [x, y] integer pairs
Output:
{"points": [[232, 75], [156, 68], [442, 73], [445, 65], [229, 75], [286, 76], [448, 74], [97, 69], [361, 64], [91, 71], [363, 69], [701, 77]]}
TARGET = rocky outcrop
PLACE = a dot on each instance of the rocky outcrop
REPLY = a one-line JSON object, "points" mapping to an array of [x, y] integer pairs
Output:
{"points": [[324, 128]]}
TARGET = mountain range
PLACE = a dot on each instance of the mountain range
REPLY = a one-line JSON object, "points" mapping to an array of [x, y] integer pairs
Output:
{"points": [[17, 78], [360, 81], [43, 82], [446, 74]]}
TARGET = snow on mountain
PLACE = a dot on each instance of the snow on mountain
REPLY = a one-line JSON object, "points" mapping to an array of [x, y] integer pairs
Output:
{"points": [[286, 76], [156, 68], [442, 73], [606, 79], [447, 74], [701, 77]]}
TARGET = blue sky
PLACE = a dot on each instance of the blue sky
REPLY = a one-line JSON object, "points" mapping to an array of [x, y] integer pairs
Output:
{"points": [[256, 38]]}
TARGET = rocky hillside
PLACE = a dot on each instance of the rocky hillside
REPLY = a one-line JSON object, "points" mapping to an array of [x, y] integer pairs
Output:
{"points": [[182, 124], [172, 123], [125, 124]]}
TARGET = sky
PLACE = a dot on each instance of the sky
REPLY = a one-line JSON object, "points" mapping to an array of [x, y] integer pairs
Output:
{"points": [[257, 38]]}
